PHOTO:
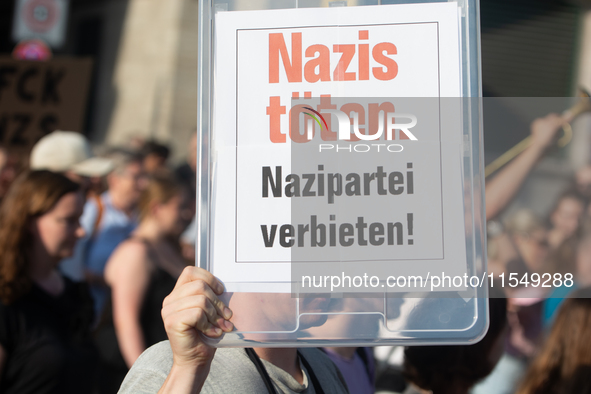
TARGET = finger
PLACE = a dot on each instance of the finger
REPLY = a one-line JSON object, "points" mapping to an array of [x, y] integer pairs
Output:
{"points": [[185, 321], [191, 273], [194, 294], [202, 302], [199, 287]]}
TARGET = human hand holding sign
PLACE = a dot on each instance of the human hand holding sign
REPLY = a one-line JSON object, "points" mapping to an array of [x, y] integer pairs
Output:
{"points": [[501, 189], [544, 130], [193, 308]]}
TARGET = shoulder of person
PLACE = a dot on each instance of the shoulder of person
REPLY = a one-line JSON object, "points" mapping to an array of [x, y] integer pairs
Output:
{"points": [[233, 371], [128, 257], [133, 246], [92, 203], [317, 359], [148, 373], [230, 370], [323, 366], [131, 250], [89, 214]]}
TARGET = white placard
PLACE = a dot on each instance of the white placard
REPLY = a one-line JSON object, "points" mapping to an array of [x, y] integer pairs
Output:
{"points": [[263, 60]]}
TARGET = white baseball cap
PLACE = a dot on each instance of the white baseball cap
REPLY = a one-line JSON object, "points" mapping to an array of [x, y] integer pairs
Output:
{"points": [[63, 151]]}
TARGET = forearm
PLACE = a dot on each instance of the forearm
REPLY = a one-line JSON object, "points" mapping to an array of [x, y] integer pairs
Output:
{"points": [[503, 187], [131, 341], [185, 380]]}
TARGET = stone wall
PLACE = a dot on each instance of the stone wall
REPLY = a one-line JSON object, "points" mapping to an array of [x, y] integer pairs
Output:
{"points": [[155, 76]]}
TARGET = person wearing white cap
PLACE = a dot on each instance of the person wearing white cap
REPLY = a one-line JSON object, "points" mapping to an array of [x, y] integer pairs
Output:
{"points": [[108, 220], [69, 153]]}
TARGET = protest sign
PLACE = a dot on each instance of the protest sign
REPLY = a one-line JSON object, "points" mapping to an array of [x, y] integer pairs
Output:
{"points": [[336, 143], [37, 98]]}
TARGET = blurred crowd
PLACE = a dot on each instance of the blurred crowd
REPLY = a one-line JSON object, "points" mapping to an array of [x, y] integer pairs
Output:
{"points": [[549, 258], [91, 245]]}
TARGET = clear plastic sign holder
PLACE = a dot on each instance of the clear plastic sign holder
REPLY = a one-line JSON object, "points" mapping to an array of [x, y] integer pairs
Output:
{"points": [[422, 218]]}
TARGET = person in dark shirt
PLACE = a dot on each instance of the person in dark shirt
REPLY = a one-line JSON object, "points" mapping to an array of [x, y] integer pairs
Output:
{"points": [[141, 272], [45, 344]]}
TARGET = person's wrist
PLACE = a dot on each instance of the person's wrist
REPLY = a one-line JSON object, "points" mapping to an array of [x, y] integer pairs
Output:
{"points": [[191, 366], [540, 146]]}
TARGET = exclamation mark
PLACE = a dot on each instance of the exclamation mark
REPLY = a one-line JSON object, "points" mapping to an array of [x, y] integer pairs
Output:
{"points": [[409, 226]]}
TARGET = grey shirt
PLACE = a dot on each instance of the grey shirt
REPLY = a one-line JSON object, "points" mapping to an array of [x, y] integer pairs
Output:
{"points": [[233, 372]]}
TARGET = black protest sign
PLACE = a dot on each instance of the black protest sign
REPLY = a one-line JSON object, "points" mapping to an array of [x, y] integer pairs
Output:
{"points": [[37, 98]]}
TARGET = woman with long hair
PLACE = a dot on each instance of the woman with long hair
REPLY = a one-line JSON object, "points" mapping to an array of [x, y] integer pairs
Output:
{"points": [[564, 362], [141, 272], [45, 344]]}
